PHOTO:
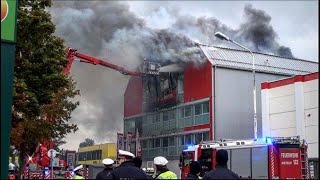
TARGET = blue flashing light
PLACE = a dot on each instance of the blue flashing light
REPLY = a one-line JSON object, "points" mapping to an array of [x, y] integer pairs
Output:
{"points": [[189, 146], [269, 140]]}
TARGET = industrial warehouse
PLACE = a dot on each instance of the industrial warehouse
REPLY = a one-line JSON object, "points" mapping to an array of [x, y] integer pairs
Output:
{"points": [[208, 102]]}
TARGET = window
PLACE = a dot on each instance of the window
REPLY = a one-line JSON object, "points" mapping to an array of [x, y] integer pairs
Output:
{"points": [[187, 111], [181, 113], [206, 107], [198, 109], [89, 155], [206, 136], [94, 155], [151, 143], [181, 140], [198, 138], [168, 115], [172, 115], [155, 118], [145, 144], [165, 116], [98, 154], [188, 139], [171, 141], [165, 142], [157, 142]]}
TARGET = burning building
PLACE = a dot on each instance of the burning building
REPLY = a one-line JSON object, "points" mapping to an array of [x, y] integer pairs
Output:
{"points": [[196, 103]]}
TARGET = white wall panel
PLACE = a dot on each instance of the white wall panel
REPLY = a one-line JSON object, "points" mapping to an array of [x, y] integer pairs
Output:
{"points": [[283, 132], [312, 134], [311, 99], [311, 85], [283, 120], [282, 91], [282, 104], [313, 150], [311, 117]]}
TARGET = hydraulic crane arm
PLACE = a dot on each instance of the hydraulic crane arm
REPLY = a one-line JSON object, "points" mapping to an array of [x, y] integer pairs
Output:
{"points": [[72, 53]]}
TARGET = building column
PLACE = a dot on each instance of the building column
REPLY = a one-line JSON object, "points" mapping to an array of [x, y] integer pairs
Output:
{"points": [[299, 106], [265, 110]]}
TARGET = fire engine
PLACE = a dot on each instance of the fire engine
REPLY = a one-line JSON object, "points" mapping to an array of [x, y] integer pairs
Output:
{"points": [[264, 158], [36, 166]]}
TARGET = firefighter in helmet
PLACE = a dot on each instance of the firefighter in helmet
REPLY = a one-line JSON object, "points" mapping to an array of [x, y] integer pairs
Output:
{"points": [[221, 171], [162, 171], [108, 163]]}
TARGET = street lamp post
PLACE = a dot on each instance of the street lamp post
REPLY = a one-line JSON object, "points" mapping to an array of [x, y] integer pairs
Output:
{"points": [[224, 37]]}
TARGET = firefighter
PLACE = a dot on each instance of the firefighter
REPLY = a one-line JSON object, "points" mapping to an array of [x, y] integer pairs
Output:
{"points": [[78, 172], [221, 171], [11, 174], [127, 169], [137, 162], [108, 163], [162, 171], [195, 169]]}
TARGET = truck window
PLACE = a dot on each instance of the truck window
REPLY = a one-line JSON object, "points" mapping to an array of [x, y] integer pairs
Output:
{"points": [[206, 160], [187, 158]]}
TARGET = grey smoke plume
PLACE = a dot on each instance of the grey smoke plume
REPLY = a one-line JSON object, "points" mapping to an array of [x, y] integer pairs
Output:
{"points": [[256, 32], [110, 31]]}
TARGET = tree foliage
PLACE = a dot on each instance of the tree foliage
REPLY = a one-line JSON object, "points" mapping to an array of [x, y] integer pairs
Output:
{"points": [[87, 142], [42, 92]]}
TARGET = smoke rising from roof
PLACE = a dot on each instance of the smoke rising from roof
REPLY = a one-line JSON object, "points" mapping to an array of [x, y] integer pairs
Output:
{"points": [[110, 31]]}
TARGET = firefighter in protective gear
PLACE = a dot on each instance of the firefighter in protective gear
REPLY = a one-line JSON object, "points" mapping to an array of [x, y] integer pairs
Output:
{"points": [[127, 169], [163, 171], [108, 163], [11, 174], [78, 172], [221, 171]]}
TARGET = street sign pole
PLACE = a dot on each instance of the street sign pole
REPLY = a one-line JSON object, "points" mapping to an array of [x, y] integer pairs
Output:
{"points": [[8, 39], [52, 164]]}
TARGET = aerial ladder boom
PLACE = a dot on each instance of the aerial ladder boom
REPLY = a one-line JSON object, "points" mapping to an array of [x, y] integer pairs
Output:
{"points": [[72, 53]]}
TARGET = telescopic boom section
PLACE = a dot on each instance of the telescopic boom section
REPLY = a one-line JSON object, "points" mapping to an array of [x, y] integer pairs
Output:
{"points": [[72, 53]]}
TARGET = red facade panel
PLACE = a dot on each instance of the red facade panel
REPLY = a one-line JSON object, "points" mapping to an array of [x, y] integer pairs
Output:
{"points": [[197, 82], [133, 97]]}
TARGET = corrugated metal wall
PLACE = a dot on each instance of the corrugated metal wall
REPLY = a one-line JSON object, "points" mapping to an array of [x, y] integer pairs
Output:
{"points": [[234, 102]]}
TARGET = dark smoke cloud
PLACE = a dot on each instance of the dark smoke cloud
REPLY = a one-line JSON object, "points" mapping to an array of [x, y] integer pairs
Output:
{"points": [[256, 32], [109, 30]]}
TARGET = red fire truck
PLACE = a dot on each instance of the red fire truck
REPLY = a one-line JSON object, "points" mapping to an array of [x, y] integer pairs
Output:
{"points": [[265, 158]]}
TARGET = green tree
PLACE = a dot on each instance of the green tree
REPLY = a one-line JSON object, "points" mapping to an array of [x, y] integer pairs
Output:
{"points": [[87, 142], [42, 92]]}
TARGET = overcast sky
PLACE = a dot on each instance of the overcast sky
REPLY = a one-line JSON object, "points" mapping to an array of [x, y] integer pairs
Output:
{"points": [[295, 22]]}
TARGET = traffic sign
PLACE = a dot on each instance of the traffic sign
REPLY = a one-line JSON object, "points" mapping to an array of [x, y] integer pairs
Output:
{"points": [[52, 153]]}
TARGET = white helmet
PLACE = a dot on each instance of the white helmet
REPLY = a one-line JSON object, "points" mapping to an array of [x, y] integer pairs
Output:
{"points": [[78, 168], [11, 167], [144, 169], [126, 153], [161, 161], [107, 161]]}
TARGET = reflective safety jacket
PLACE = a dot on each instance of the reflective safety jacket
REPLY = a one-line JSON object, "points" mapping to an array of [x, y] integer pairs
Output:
{"points": [[167, 175], [77, 177]]}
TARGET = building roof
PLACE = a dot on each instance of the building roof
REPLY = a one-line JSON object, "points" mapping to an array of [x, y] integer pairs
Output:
{"points": [[290, 80], [238, 59]]}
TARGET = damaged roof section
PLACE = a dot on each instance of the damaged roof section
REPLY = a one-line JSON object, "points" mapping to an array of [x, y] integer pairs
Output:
{"points": [[238, 59]]}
